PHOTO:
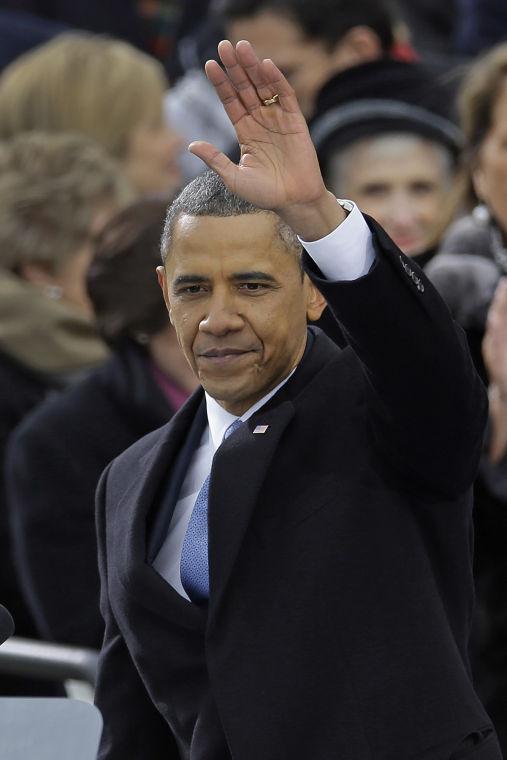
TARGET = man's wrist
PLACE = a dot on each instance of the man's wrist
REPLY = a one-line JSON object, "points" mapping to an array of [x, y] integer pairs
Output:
{"points": [[313, 221]]}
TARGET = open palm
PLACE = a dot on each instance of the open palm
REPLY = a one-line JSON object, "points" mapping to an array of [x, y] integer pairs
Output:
{"points": [[278, 165]]}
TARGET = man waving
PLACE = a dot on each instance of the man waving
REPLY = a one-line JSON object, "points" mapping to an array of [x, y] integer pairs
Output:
{"points": [[286, 565]]}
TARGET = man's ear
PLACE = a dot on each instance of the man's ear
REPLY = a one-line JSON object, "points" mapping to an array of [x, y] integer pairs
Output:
{"points": [[315, 301], [162, 281]]}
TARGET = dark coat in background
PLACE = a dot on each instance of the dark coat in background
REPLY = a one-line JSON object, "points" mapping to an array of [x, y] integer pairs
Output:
{"points": [[339, 548], [53, 465], [20, 391], [466, 273], [45, 344]]}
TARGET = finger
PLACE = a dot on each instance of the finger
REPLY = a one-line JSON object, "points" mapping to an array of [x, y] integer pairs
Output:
{"points": [[279, 84], [215, 160], [234, 108], [237, 74], [251, 64]]}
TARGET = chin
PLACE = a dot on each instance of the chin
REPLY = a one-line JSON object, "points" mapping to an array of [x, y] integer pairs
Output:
{"points": [[226, 396]]}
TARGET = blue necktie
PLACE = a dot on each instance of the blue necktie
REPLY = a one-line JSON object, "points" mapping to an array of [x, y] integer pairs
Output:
{"points": [[194, 568]]}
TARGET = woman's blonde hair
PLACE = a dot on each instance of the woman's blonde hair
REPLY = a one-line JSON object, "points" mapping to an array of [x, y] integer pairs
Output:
{"points": [[85, 83], [477, 98], [51, 189], [479, 93]]}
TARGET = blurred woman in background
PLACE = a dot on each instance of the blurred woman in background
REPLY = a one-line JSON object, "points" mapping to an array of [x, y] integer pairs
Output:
{"points": [[386, 142], [467, 271], [67, 442], [103, 88], [473, 254], [56, 191]]}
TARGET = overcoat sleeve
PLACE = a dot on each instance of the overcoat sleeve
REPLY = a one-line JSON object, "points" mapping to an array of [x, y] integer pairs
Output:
{"points": [[427, 405], [133, 727]]}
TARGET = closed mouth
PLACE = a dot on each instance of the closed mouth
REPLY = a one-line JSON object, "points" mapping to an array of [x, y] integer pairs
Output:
{"points": [[224, 355]]}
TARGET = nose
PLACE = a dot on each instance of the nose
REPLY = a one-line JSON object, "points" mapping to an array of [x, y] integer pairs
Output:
{"points": [[402, 213], [222, 317]]}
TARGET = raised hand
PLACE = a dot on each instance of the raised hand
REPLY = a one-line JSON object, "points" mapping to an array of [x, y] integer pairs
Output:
{"points": [[278, 169]]}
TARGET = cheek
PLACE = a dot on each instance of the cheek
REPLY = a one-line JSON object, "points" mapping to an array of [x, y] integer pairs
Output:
{"points": [[186, 330], [281, 332], [497, 172], [427, 210], [494, 165], [381, 209]]}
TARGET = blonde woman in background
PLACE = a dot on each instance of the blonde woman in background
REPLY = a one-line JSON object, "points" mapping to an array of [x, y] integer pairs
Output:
{"points": [[56, 193], [103, 88]]}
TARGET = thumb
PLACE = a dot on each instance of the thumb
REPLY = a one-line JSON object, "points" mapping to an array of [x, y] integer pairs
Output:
{"points": [[216, 160]]}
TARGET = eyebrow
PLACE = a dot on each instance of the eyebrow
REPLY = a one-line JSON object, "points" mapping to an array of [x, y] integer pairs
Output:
{"points": [[189, 279], [192, 279], [253, 276]]}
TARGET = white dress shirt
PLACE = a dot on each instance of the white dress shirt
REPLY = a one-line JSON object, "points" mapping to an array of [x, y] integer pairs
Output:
{"points": [[347, 253], [167, 562]]}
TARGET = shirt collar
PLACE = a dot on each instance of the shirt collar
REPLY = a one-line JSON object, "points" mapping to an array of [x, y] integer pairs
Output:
{"points": [[219, 419]]}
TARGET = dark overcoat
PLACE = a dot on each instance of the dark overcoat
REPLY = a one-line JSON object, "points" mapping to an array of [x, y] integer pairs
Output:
{"points": [[340, 553]]}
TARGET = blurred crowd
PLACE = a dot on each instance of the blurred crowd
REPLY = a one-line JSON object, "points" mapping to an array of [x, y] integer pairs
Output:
{"points": [[407, 108]]}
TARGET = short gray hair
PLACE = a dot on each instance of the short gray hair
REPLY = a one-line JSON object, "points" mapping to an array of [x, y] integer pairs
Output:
{"points": [[207, 195]]}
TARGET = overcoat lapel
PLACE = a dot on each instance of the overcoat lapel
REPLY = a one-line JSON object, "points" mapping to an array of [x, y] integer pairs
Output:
{"points": [[134, 506], [158, 527], [238, 472]]}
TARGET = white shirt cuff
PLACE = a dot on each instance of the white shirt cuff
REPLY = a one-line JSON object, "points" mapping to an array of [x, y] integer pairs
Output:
{"points": [[347, 252]]}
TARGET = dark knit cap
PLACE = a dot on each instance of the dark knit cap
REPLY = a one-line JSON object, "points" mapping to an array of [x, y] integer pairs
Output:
{"points": [[383, 96]]}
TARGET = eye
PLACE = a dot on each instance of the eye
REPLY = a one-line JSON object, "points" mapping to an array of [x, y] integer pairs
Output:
{"points": [[190, 290], [422, 187], [252, 287], [374, 190]]}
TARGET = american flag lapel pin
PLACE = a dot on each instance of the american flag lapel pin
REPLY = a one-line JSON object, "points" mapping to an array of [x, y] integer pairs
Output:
{"points": [[261, 428]]}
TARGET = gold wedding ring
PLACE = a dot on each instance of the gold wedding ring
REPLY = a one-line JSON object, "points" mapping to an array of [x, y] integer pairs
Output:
{"points": [[270, 101]]}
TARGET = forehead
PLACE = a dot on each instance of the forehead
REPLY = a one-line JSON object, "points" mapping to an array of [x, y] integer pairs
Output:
{"points": [[274, 35], [392, 156], [207, 244]]}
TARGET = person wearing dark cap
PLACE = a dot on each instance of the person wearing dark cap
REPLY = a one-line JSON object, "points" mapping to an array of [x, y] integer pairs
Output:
{"points": [[384, 138], [312, 41], [67, 442]]}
